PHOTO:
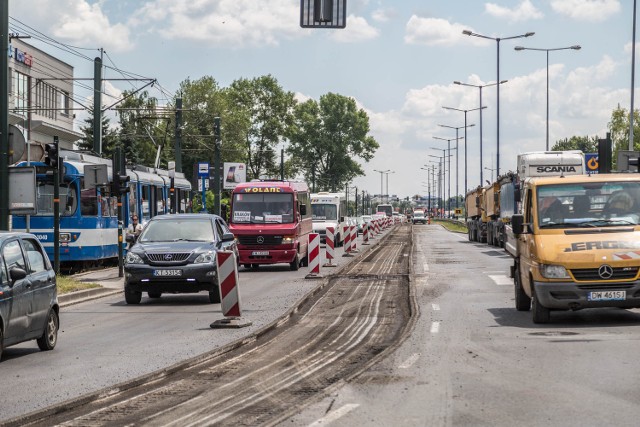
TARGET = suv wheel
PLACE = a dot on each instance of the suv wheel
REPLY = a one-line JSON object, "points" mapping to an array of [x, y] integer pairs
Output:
{"points": [[132, 297], [49, 337]]}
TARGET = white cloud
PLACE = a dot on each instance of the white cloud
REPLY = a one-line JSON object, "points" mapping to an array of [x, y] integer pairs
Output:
{"points": [[76, 22], [382, 15], [436, 31], [234, 23], [523, 12], [357, 30], [587, 10]]}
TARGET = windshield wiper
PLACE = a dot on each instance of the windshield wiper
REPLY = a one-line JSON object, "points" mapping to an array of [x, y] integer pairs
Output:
{"points": [[615, 221]]}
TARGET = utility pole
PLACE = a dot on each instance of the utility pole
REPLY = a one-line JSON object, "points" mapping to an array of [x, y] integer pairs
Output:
{"points": [[4, 115], [97, 105], [216, 165], [178, 144]]}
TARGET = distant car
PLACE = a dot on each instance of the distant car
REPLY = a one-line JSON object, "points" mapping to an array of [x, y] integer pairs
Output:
{"points": [[419, 217], [177, 254], [360, 223], [28, 294]]}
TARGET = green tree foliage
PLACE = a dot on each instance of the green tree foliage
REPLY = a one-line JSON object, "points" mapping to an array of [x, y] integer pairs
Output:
{"points": [[142, 130], [109, 135], [585, 144], [327, 138], [262, 112], [619, 128]]}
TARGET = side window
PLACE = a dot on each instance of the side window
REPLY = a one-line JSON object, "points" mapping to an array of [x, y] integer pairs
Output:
{"points": [[12, 255], [36, 257], [219, 229], [528, 212], [4, 278]]}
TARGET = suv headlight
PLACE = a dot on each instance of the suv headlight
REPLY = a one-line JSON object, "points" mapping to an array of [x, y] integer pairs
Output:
{"points": [[207, 257], [133, 258], [553, 271]]}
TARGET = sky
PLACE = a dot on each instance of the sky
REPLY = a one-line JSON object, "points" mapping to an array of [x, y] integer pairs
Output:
{"points": [[397, 59]]}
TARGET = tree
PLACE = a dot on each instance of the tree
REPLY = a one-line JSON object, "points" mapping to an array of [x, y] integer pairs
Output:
{"points": [[109, 135], [585, 144], [619, 128], [326, 139], [141, 129], [262, 112]]}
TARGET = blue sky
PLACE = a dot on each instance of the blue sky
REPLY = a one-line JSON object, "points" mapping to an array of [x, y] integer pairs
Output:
{"points": [[397, 59]]}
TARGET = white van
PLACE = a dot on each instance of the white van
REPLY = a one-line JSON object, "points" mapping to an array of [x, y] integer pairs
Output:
{"points": [[329, 210]]}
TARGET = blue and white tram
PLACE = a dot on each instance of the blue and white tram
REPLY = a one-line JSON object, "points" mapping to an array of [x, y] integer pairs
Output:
{"points": [[89, 217]]}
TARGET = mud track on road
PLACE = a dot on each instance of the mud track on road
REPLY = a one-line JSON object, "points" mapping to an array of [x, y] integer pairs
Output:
{"points": [[358, 317]]}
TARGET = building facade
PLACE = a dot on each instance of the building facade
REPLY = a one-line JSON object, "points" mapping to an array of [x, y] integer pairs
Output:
{"points": [[40, 102]]}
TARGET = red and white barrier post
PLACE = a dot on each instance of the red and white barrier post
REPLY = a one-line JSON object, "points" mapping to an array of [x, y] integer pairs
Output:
{"points": [[330, 254], [314, 256], [347, 242], [227, 276], [354, 238], [365, 234]]}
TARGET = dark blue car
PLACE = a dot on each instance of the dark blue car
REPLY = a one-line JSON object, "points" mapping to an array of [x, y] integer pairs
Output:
{"points": [[28, 295]]}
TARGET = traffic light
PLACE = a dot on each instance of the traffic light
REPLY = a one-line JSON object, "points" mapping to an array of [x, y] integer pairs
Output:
{"points": [[123, 184], [52, 155]]}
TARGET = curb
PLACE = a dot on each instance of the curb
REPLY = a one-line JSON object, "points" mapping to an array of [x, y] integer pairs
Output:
{"points": [[77, 297]]}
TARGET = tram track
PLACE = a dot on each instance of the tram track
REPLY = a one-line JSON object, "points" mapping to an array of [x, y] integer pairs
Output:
{"points": [[359, 316]]}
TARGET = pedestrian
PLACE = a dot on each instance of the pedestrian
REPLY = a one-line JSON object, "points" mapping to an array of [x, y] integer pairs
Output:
{"points": [[133, 231]]}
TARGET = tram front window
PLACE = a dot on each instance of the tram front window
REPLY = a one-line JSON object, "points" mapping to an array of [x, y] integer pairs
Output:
{"points": [[44, 197]]}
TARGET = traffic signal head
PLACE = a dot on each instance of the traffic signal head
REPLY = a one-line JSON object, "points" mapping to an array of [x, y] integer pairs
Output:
{"points": [[123, 184], [51, 155]]}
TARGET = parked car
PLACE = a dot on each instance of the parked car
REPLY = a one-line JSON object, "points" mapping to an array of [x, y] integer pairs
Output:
{"points": [[28, 295], [177, 254], [360, 223]]}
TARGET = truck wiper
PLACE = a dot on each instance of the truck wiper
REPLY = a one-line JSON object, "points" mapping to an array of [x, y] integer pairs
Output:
{"points": [[616, 221]]}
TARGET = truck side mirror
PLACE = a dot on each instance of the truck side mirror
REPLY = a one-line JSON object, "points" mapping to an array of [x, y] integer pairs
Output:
{"points": [[517, 224], [303, 210]]}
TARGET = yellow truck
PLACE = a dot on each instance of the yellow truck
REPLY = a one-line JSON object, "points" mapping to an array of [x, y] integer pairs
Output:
{"points": [[576, 244], [476, 219]]}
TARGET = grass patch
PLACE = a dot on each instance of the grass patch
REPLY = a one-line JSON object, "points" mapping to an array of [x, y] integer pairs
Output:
{"points": [[453, 226], [66, 285]]}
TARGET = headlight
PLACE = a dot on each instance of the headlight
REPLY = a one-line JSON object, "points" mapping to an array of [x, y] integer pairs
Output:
{"points": [[288, 239], [65, 237], [208, 257], [553, 272], [133, 258]]}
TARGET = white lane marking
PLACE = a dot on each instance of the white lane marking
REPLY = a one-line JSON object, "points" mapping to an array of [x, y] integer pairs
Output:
{"points": [[493, 272], [435, 327], [425, 267], [436, 307], [410, 361], [501, 280], [332, 416]]}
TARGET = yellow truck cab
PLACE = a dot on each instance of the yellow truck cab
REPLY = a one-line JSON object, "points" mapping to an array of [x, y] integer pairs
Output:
{"points": [[577, 244]]}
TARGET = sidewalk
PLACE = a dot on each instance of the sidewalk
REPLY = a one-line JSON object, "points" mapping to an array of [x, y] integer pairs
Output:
{"points": [[107, 278]]}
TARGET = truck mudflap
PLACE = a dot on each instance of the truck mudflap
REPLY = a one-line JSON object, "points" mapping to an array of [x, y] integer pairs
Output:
{"points": [[511, 242], [576, 296]]}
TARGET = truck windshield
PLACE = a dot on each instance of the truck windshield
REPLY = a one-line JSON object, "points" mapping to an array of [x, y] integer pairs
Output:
{"points": [[262, 208], [323, 211], [588, 205]]}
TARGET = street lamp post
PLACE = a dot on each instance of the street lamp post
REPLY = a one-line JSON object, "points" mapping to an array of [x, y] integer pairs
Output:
{"points": [[448, 168], [381, 189], [466, 141], [480, 108], [440, 178], [497, 40], [387, 173], [428, 189], [457, 128], [574, 47], [490, 169]]}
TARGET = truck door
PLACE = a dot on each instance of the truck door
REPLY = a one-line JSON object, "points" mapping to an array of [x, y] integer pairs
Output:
{"points": [[526, 243]]}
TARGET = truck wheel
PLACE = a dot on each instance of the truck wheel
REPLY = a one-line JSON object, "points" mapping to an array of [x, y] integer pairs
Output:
{"points": [[295, 264], [523, 302], [540, 314]]}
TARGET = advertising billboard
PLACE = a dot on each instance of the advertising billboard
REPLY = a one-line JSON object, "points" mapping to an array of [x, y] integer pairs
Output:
{"points": [[233, 174]]}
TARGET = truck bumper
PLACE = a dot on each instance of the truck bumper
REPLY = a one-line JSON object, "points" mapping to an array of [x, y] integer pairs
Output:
{"points": [[267, 256], [574, 296]]}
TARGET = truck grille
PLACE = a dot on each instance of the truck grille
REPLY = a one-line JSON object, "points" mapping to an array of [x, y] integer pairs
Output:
{"points": [[619, 273], [254, 240]]}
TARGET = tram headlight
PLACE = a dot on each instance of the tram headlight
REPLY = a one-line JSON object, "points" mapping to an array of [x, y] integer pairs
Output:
{"points": [[550, 271], [65, 237], [133, 258], [208, 257]]}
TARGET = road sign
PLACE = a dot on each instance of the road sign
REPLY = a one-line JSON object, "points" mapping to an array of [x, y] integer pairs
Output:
{"points": [[591, 160], [203, 170]]}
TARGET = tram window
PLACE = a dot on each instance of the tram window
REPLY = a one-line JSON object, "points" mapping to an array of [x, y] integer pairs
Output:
{"points": [[160, 200], [133, 205], [89, 202], [44, 197], [145, 202]]}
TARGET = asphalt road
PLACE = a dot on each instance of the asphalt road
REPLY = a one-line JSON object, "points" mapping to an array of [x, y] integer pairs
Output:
{"points": [[473, 360], [106, 342]]}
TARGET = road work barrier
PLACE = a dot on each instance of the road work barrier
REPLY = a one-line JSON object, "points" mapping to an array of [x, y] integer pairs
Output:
{"points": [[227, 276], [314, 256], [347, 242], [365, 233], [330, 248], [354, 238]]}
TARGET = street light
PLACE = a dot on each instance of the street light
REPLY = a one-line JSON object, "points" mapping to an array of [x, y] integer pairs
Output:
{"points": [[574, 47], [440, 177], [480, 108], [387, 173], [457, 151], [381, 189], [466, 141], [490, 169], [448, 168], [497, 39]]}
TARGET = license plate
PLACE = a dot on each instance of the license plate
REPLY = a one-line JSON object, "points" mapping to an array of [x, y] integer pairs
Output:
{"points": [[607, 296], [259, 253], [167, 273]]}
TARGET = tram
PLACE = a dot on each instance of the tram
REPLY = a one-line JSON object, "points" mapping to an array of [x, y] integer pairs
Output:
{"points": [[89, 216]]}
